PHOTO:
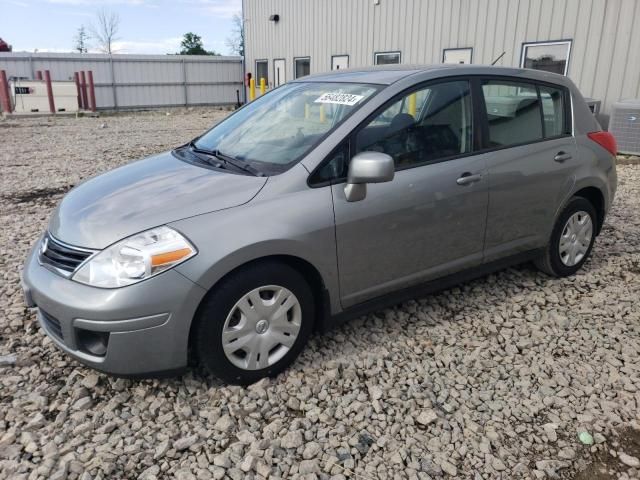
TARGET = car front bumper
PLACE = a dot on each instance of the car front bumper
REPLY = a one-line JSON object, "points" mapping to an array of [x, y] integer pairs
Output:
{"points": [[140, 330]]}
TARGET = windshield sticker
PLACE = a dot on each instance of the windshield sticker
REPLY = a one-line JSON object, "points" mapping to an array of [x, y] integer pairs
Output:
{"points": [[339, 98]]}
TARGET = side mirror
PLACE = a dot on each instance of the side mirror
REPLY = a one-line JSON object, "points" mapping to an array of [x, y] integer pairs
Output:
{"points": [[367, 167]]}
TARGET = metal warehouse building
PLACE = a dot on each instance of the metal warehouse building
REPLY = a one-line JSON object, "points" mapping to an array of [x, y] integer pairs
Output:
{"points": [[138, 81], [595, 42]]}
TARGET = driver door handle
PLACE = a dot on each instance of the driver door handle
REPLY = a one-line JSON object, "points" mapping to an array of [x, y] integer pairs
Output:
{"points": [[467, 178], [562, 157]]}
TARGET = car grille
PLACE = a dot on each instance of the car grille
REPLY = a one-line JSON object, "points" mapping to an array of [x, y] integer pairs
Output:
{"points": [[52, 324], [63, 258]]}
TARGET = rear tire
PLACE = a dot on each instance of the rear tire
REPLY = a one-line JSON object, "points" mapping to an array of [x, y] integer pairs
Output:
{"points": [[255, 323], [571, 240]]}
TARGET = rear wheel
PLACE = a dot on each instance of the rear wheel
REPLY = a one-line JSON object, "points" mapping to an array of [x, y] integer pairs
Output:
{"points": [[255, 323], [571, 240]]}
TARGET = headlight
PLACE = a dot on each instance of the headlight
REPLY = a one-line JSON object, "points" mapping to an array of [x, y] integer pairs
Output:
{"points": [[136, 258]]}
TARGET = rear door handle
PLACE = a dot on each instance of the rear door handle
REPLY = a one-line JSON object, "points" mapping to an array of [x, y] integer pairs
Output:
{"points": [[467, 178], [562, 157]]}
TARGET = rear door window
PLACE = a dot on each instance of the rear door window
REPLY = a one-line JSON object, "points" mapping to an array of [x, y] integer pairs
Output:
{"points": [[523, 112], [514, 112]]}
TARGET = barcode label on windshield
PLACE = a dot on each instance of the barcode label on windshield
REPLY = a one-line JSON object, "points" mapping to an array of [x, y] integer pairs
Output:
{"points": [[339, 98]]}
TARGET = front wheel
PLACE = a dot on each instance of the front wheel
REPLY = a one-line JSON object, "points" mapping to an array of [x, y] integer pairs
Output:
{"points": [[255, 323], [571, 240]]}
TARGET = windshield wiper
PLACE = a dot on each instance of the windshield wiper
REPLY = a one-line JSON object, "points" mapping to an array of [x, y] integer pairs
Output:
{"points": [[209, 153], [242, 165], [227, 159]]}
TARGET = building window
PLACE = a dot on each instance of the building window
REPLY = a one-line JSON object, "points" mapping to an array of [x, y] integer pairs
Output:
{"points": [[339, 62], [262, 71], [549, 56], [457, 55], [301, 67], [387, 58]]}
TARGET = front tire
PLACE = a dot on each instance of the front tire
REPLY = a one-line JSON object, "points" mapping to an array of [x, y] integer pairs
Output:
{"points": [[255, 323], [571, 240]]}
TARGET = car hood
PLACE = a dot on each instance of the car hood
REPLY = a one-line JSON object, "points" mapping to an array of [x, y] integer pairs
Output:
{"points": [[144, 194]]}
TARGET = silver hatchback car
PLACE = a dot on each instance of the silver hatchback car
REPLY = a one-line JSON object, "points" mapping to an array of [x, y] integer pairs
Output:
{"points": [[323, 199]]}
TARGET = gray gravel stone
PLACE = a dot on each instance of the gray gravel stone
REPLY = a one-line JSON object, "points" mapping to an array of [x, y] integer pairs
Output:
{"points": [[83, 404], [222, 460], [248, 463], [91, 380], [448, 468], [311, 450], [185, 442], [292, 440], [7, 360], [629, 460], [427, 417], [550, 431], [224, 424], [308, 466]]}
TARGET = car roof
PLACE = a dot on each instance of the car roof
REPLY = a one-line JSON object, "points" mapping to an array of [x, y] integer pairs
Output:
{"points": [[388, 74]]}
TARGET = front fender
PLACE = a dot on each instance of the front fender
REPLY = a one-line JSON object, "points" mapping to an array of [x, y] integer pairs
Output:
{"points": [[297, 224]]}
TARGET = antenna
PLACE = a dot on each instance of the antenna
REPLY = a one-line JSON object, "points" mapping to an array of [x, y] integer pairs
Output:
{"points": [[497, 59]]}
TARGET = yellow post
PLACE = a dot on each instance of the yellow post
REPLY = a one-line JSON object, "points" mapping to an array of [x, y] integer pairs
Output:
{"points": [[412, 105], [321, 113], [263, 85], [306, 111], [252, 89]]}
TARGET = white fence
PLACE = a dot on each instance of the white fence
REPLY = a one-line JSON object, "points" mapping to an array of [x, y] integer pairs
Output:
{"points": [[140, 81]]}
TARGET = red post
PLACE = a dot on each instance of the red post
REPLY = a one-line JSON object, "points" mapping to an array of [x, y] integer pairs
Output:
{"points": [[39, 75], [76, 79], [47, 78], [92, 92], [5, 99], [83, 89]]}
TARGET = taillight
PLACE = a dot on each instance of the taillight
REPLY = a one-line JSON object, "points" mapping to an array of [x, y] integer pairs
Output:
{"points": [[605, 140]]}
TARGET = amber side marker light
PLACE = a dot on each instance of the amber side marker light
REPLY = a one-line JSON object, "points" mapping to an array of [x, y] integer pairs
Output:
{"points": [[169, 257]]}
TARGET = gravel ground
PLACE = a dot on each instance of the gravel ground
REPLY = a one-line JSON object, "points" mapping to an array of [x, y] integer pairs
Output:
{"points": [[494, 379]]}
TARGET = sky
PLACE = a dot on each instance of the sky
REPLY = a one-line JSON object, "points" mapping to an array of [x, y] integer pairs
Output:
{"points": [[146, 26]]}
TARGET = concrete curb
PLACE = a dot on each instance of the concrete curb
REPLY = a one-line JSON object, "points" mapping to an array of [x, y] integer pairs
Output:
{"points": [[627, 160]]}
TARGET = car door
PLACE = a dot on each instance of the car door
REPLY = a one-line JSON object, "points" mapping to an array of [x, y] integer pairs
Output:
{"points": [[532, 159], [430, 219]]}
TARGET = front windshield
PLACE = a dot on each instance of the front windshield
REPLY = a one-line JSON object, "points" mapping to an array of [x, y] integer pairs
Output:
{"points": [[280, 127]]}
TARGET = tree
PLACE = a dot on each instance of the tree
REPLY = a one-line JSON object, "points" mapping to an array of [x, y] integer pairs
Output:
{"points": [[192, 45], [81, 40], [4, 46], [106, 30], [235, 41]]}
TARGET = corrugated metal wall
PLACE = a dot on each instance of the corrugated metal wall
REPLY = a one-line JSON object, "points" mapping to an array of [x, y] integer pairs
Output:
{"points": [[138, 81], [605, 34]]}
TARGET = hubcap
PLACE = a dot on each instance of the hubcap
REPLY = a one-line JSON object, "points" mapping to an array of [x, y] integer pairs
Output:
{"points": [[576, 238], [261, 327]]}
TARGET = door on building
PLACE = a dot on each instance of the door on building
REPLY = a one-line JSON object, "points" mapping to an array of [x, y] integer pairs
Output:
{"points": [[279, 75], [339, 62]]}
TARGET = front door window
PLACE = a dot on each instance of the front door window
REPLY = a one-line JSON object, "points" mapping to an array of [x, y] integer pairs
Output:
{"points": [[423, 126]]}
